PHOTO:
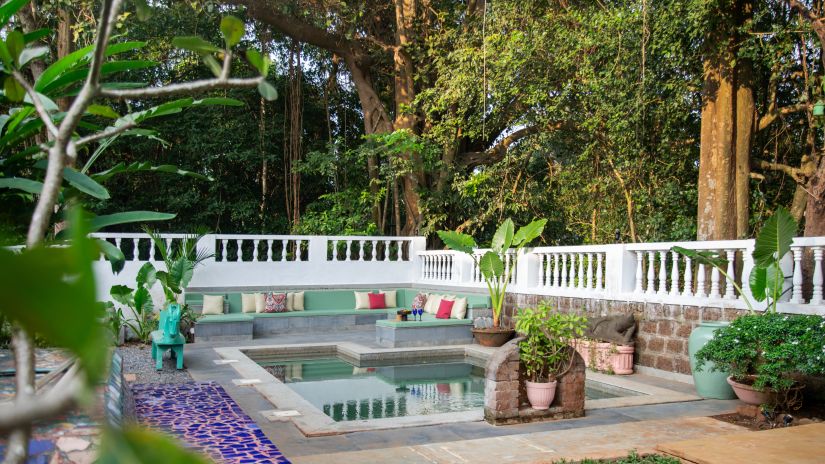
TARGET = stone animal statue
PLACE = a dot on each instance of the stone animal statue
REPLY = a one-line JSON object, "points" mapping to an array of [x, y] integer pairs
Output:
{"points": [[171, 321], [620, 329]]}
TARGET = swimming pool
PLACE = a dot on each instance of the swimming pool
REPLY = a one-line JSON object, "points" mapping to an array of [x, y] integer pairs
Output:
{"points": [[346, 391]]}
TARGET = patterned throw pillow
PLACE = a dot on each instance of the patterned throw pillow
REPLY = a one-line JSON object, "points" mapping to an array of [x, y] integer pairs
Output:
{"points": [[419, 301], [275, 303]]}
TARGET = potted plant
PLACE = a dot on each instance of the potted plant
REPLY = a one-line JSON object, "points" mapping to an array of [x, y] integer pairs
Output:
{"points": [[547, 351], [765, 354], [744, 349], [139, 301], [495, 273]]}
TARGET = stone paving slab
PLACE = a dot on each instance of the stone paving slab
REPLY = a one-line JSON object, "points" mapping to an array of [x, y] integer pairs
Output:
{"points": [[802, 444], [543, 447]]}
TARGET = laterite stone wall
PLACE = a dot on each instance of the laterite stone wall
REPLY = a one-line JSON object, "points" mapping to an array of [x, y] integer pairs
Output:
{"points": [[663, 330]]}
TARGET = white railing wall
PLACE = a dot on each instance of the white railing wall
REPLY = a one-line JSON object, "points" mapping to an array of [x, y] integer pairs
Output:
{"points": [[642, 272], [275, 261]]}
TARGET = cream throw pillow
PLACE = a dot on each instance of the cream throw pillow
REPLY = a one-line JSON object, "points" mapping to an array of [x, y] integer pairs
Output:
{"points": [[390, 299], [459, 308], [248, 302], [433, 302], [212, 304], [289, 298], [297, 301], [362, 301], [260, 302]]}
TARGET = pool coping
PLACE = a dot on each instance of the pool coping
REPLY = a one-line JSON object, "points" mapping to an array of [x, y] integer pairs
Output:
{"points": [[312, 422]]}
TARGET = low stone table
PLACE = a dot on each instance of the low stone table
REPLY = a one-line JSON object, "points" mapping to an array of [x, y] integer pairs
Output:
{"points": [[429, 332]]}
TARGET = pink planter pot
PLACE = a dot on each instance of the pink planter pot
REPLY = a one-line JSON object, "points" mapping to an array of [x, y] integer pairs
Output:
{"points": [[748, 394], [603, 355], [540, 394], [622, 360]]}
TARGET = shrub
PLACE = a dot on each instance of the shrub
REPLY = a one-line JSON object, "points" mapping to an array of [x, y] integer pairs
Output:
{"points": [[546, 350], [774, 347]]}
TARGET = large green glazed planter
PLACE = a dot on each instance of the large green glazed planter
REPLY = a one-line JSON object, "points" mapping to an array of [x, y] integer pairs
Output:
{"points": [[708, 384]]}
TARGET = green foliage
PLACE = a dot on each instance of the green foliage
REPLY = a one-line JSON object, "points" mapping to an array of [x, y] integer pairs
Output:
{"points": [[139, 300], [632, 458], [51, 291], [772, 346], [547, 349], [180, 262], [138, 445], [492, 263]]}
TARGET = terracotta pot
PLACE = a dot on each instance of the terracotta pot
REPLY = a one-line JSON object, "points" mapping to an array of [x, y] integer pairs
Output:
{"points": [[602, 361], [540, 394], [493, 337], [747, 394], [622, 360]]}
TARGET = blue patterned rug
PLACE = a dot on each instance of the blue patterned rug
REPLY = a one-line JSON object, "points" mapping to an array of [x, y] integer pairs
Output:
{"points": [[206, 418]]}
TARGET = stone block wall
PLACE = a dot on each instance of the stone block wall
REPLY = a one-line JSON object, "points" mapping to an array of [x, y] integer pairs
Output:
{"points": [[663, 330], [505, 397]]}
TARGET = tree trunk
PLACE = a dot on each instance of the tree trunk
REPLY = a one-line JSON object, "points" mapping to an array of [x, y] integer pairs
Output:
{"points": [[716, 155], [815, 210], [745, 120]]}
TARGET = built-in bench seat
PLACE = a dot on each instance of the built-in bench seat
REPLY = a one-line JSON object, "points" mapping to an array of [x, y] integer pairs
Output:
{"points": [[323, 310], [428, 331]]}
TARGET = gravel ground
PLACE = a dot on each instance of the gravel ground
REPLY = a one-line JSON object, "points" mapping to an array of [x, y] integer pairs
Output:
{"points": [[137, 360]]}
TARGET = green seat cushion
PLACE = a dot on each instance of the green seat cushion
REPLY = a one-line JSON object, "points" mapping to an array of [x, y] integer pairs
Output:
{"points": [[231, 317], [321, 312]]}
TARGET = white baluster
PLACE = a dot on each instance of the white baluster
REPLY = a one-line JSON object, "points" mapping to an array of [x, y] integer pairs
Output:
{"points": [[556, 273], [386, 250], [239, 252], [269, 244], [816, 282], [571, 279], [225, 249], [700, 281], [674, 273], [374, 251], [284, 248], [360, 250], [564, 270], [639, 258], [662, 273], [423, 267], [688, 291], [399, 250], [548, 270], [135, 250], [349, 250], [335, 250], [651, 256], [796, 296], [117, 243], [731, 257], [439, 267], [255, 244], [599, 272], [581, 270], [714, 283]]}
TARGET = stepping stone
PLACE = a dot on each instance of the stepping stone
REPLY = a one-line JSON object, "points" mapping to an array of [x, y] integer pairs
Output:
{"points": [[246, 382], [221, 362], [277, 415]]}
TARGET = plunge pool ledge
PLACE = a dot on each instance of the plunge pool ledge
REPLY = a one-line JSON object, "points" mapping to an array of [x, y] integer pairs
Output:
{"points": [[311, 421]]}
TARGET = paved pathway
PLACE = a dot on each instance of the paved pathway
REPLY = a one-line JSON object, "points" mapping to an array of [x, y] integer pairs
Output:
{"points": [[802, 444], [207, 419], [543, 447]]}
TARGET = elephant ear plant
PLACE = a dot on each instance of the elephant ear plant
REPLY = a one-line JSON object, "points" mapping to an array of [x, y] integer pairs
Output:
{"points": [[492, 263], [766, 279], [139, 300]]}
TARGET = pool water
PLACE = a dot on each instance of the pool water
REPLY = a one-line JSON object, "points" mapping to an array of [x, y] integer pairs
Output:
{"points": [[346, 392]]}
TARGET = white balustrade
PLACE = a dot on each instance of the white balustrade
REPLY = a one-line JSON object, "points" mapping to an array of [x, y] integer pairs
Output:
{"points": [[625, 272]]}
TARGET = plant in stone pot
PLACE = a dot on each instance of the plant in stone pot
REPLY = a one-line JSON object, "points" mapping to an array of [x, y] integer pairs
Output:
{"points": [[547, 351], [496, 267]]}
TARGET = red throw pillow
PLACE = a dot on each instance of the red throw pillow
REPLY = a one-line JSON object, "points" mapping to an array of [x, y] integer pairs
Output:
{"points": [[444, 309], [377, 300]]}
